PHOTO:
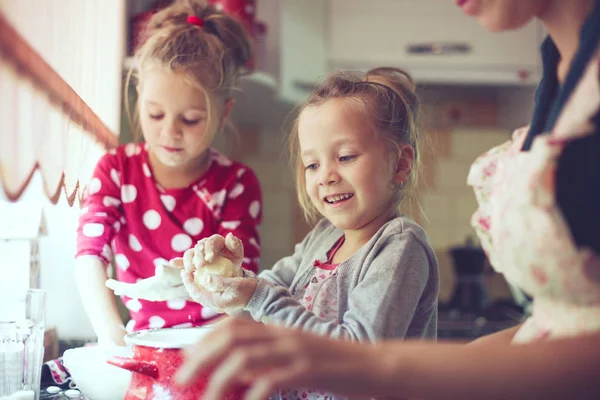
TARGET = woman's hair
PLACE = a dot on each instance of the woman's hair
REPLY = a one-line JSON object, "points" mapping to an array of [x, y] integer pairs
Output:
{"points": [[386, 96], [211, 57]]}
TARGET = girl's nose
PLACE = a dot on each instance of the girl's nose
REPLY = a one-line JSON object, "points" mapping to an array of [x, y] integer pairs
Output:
{"points": [[171, 128], [329, 176]]}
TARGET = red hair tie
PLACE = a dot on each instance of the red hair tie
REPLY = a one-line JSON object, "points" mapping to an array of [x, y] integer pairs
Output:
{"points": [[192, 19]]}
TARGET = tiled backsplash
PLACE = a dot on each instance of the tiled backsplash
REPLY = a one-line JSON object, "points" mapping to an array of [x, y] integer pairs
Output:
{"points": [[449, 203]]}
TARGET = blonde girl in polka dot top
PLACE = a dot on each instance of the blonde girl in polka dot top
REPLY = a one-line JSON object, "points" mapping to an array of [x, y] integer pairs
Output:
{"points": [[148, 203]]}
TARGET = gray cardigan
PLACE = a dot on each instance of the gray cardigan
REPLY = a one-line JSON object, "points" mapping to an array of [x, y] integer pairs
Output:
{"points": [[387, 289]]}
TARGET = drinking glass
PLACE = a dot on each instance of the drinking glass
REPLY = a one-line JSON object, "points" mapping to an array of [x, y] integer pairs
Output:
{"points": [[22, 321]]}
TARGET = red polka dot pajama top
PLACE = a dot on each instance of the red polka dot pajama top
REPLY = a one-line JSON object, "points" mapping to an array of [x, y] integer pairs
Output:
{"points": [[127, 212]]}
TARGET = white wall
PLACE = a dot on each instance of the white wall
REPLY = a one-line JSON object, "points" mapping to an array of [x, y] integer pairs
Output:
{"points": [[56, 252], [268, 11]]}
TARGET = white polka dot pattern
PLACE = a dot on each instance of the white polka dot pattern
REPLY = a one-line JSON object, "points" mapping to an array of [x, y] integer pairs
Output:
{"points": [[230, 224], [193, 226], [106, 251], [218, 198], [128, 194], [94, 186], [168, 201], [146, 170], [134, 243], [93, 230], [116, 177], [254, 209], [236, 191], [176, 304], [145, 210], [151, 219], [156, 322], [133, 305], [208, 312], [122, 261], [181, 242], [111, 201], [254, 243]]}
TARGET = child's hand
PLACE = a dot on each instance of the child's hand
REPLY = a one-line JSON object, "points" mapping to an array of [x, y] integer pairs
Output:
{"points": [[220, 293], [165, 285], [207, 250]]}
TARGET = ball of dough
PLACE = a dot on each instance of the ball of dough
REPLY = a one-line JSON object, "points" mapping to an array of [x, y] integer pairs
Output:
{"points": [[221, 266]]}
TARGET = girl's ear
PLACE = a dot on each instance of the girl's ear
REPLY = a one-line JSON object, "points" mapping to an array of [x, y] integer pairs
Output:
{"points": [[226, 111], [405, 163]]}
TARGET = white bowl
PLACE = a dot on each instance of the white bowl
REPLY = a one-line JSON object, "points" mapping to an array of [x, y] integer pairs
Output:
{"points": [[168, 338], [93, 376]]}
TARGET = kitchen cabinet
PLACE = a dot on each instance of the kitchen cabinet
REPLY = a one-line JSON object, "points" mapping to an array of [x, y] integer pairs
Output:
{"points": [[433, 39]]}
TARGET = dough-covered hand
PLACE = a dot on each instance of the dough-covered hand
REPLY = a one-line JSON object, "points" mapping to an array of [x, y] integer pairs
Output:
{"points": [[215, 255], [213, 274], [220, 293], [166, 284], [212, 251]]}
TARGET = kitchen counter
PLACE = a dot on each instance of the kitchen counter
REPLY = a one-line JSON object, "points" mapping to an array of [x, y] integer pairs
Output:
{"points": [[453, 324]]}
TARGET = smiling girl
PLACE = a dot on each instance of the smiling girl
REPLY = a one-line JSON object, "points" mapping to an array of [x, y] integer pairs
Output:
{"points": [[366, 272]]}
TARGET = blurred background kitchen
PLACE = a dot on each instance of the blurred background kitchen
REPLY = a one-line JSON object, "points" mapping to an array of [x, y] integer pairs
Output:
{"points": [[476, 87]]}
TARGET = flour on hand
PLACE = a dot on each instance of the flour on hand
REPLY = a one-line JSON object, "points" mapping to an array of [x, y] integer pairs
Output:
{"points": [[221, 266]]}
